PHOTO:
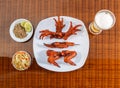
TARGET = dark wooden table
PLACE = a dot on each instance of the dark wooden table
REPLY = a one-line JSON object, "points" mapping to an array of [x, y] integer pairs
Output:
{"points": [[102, 68]]}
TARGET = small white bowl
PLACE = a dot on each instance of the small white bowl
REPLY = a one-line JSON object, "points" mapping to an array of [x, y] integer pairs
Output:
{"points": [[14, 64], [29, 35]]}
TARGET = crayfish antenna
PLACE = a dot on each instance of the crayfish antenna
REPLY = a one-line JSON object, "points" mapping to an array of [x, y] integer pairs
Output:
{"points": [[56, 64]]}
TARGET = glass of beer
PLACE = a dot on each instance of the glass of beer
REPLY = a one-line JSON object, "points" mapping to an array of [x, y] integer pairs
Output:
{"points": [[104, 20]]}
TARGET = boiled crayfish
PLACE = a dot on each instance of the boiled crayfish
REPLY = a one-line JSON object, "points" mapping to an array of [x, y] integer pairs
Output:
{"points": [[58, 33], [55, 55]]}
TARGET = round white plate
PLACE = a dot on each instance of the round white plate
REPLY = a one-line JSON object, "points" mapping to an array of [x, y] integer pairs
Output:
{"points": [[81, 38], [13, 35]]}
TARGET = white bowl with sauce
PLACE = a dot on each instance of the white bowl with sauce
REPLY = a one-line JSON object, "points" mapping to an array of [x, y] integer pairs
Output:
{"points": [[21, 60], [29, 35]]}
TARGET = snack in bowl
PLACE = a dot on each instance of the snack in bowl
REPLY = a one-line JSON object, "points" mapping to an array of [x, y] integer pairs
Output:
{"points": [[21, 60], [21, 30]]}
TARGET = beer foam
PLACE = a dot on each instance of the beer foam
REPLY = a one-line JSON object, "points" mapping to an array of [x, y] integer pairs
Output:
{"points": [[104, 20]]}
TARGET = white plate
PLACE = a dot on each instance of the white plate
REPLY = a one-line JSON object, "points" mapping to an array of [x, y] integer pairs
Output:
{"points": [[13, 35], [81, 38]]}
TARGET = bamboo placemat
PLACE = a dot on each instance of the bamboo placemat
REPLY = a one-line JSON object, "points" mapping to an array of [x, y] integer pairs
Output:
{"points": [[102, 68]]}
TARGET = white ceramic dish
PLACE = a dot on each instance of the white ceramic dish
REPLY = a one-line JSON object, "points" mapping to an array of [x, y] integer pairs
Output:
{"points": [[81, 38], [13, 35]]}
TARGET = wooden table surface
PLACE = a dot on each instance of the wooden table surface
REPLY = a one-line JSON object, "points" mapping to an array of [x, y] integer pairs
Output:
{"points": [[102, 68]]}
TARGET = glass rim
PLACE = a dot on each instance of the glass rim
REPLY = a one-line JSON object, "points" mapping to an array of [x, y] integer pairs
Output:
{"points": [[112, 14]]}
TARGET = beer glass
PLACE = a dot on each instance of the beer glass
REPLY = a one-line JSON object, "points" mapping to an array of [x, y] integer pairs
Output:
{"points": [[104, 20]]}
